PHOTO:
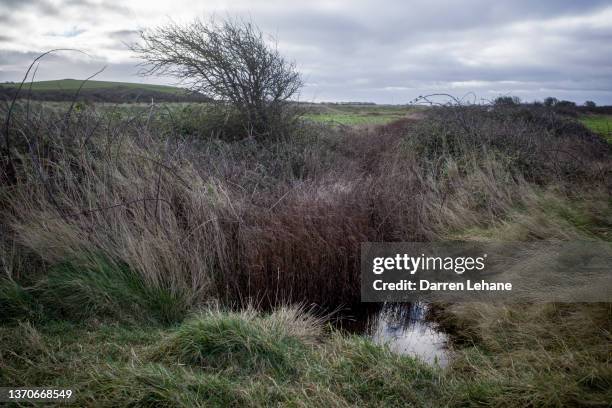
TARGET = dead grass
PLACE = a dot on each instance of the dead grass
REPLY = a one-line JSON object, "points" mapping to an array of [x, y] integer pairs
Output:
{"points": [[281, 220], [113, 219]]}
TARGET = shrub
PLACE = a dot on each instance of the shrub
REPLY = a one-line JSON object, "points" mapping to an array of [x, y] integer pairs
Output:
{"points": [[507, 101], [536, 144], [550, 101], [566, 108], [205, 121], [227, 61]]}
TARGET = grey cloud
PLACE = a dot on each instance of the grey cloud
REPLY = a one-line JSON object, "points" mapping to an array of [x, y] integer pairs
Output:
{"points": [[21, 3], [73, 32], [61, 65], [44, 7], [123, 34], [392, 21], [99, 7], [395, 50], [47, 8]]}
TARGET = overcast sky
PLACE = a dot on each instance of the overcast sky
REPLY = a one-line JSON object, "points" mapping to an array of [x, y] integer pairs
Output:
{"points": [[385, 51]]}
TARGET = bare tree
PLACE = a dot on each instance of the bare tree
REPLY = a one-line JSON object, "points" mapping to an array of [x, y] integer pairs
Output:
{"points": [[229, 61]]}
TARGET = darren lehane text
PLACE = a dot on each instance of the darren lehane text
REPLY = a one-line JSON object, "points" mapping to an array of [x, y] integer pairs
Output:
{"points": [[423, 284]]}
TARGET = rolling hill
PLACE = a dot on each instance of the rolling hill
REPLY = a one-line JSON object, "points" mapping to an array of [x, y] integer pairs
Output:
{"points": [[98, 91]]}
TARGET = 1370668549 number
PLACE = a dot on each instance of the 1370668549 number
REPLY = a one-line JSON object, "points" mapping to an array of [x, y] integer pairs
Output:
{"points": [[15, 394]]}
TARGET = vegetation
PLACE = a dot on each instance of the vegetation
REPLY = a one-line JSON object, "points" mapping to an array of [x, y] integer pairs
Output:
{"points": [[507, 100], [128, 239], [547, 355], [600, 124], [228, 61], [357, 115], [550, 101], [215, 359]]}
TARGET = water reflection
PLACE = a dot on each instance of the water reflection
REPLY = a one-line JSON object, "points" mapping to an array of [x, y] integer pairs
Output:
{"points": [[405, 330]]}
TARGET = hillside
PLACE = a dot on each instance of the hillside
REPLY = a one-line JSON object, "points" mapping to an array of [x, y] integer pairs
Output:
{"points": [[98, 91]]}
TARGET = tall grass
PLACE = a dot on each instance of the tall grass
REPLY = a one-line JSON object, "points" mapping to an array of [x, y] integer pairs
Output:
{"points": [[112, 219], [200, 219], [547, 355]]}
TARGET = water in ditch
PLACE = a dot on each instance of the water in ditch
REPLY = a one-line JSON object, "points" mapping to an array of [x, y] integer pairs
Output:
{"points": [[404, 329]]}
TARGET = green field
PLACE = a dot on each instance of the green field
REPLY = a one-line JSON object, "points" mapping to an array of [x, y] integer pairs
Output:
{"points": [[600, 124], [74, 84], [355, 115]]}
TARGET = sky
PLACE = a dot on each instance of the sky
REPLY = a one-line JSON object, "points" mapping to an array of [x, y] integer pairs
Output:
{"points": [[383, 51]]}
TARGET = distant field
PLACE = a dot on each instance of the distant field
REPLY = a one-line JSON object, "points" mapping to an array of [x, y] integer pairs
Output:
{"points": [[352, 115], [74, 84], [601, 124]]}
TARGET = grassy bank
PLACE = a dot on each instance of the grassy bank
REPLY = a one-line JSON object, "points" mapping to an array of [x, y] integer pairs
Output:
{"points": [[120, 234], [546, 355], [214, 359]]}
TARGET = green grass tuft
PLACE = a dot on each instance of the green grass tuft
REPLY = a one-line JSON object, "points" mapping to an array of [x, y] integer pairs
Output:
{"points": [[227, 340], [101, 288], [362, 371]]}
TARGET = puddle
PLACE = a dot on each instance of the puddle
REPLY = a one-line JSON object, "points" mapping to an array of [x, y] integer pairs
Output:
{"points": [[405, 330]]}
